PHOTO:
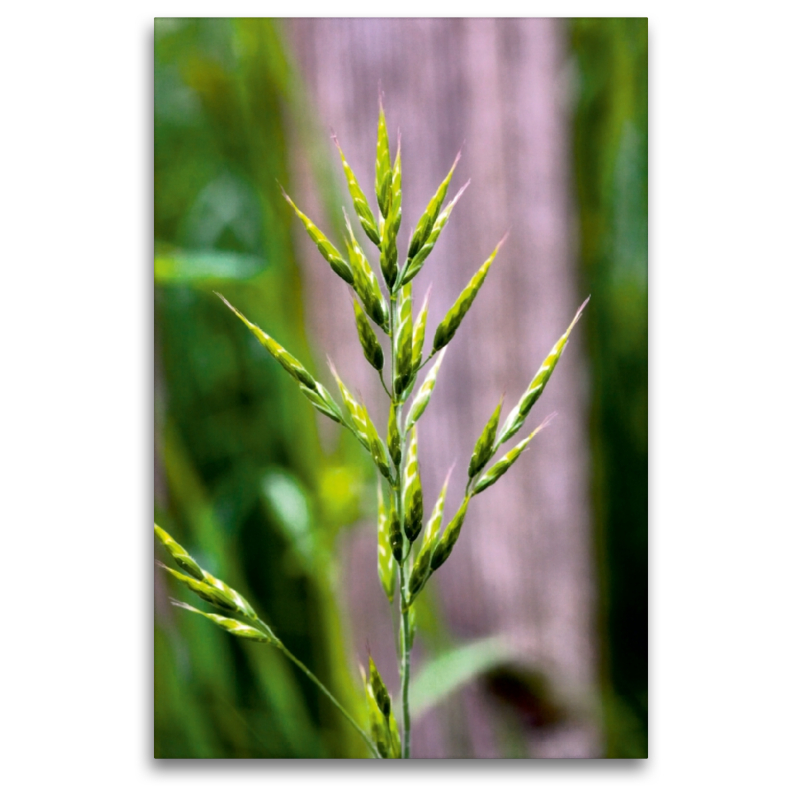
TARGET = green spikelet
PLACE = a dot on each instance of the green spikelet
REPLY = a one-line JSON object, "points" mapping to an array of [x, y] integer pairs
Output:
{"points": [[484, 447], [503, 465], [378, 449], [392, 226], [430, 215], [387, 566], [321, 400], [360, 204], [364, 281], [179, 555], [379, 689], [423, 395], [383, 167], [404, 337], [357, 412], [329, 252], [373, 351], [412, 491], [242, 606], [204, 590], [516, 416], [418, 339], [449, 538], [422, 564], [449, 325], [395, 533], [393, 436], [285, 359], [232, 626], [413, 266]]}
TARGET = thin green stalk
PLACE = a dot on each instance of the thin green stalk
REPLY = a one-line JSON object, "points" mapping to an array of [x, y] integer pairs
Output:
{"points": [[324, 689], [405, 628]]}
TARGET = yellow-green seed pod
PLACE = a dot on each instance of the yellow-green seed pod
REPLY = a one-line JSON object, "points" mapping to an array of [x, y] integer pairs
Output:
{"points": [[484, 447], [379, 689], [412, 491], [395, 533], [449, 538], [393, 436], [357, 412], [378, 450], [387, 566], [373, 351], [503, 465], [449, 325], [329, 252], [232, 626], [431, 213], [379, 730], [404, 338], [363, 211], [418, 339], [391, 227], [365, 282], [516, 416], [423, 395], [413, 266], [179, 554], [383, 167], [284, 358], [242, 606], [204, 590]]}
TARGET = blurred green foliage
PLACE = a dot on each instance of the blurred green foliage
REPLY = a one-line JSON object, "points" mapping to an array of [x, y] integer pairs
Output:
{"points": [[610, 135], [242, 480]]}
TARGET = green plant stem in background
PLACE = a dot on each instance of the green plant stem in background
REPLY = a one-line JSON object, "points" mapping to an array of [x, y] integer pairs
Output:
{"points": [[321, 686]]}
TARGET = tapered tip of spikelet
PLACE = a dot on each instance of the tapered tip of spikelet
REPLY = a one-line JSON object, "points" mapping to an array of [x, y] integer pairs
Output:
{"points": [[180, 604], [547, 420], [503, 240], [578, 315], [332, 368], [226, 302], [449, 473], [458, 194]]}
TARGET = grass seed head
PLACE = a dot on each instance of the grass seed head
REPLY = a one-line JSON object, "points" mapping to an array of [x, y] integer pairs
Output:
{"points": [[404, 342], [373, 351], [387, 566], [360, 204], [383, 167], [423, 396], [329, 252], [517, 415], [204, 590], [179, 554], [232, 626], [412, 491], [379, 689], [393, 436], [450, 536], [484, 447], [449, 325], [504, 464]]}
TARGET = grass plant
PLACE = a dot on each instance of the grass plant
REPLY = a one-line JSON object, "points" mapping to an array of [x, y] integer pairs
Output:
{"points": [[409, 549]]}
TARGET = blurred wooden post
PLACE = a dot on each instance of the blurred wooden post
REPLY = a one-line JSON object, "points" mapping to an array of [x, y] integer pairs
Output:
{"points": [[523, 564]]}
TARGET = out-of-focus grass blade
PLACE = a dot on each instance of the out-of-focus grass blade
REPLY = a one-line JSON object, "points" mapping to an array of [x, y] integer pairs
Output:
{"points": [[451, 670], [194, 266]]}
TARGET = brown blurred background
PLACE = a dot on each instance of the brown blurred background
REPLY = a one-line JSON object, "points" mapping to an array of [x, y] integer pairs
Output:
{"points": [[547, 585]]}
